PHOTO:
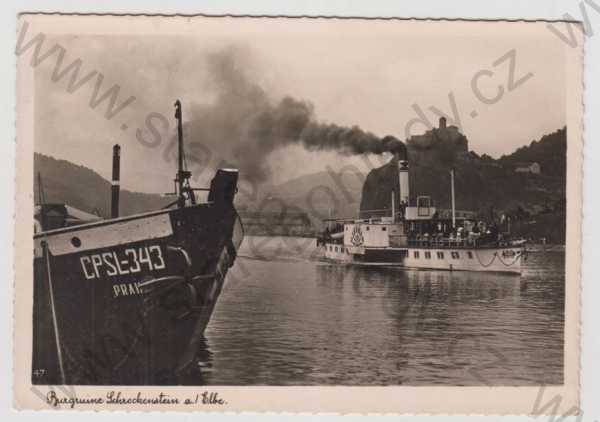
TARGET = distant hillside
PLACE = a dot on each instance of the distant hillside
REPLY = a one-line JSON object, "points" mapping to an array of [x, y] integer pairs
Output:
{"points": [[85, 189], [550, 152], [82, 188], [479, 185], [318, 194], [482, 184]]}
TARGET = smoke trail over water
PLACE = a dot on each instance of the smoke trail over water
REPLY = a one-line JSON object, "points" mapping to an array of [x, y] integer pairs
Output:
{"points": [[245, 125]]}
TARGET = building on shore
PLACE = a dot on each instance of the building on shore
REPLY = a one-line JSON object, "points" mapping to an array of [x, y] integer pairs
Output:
{"points": [[532, 168]]}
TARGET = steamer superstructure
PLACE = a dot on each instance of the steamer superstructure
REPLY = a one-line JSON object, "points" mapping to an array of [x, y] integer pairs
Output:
{"points": [[421, 236]]}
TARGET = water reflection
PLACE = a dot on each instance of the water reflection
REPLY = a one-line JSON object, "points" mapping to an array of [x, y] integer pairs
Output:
{"points": [[294, 320]]}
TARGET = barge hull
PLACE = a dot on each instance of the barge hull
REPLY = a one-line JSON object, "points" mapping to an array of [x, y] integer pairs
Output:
{"points": [[126, 301]]}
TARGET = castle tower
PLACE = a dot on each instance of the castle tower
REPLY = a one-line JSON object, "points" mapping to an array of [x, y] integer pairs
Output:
{"points": [[442, 123]]}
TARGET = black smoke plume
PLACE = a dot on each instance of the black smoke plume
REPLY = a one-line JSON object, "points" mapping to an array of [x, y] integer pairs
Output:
{"points": [[243, 125]]}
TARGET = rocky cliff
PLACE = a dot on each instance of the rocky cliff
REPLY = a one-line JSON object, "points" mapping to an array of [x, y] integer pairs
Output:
{"points": [[482, 184]]}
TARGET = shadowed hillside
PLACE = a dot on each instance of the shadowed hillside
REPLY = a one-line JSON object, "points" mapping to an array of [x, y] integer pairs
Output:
{"points": [[85, 189], [482, 183], [550, 152], [82, 188], [536, 202]]}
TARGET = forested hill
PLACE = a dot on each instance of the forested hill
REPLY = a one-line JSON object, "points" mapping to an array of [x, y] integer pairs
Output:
{"points": [[82, 188], [550, 152], [483, 184], [488, 186]]}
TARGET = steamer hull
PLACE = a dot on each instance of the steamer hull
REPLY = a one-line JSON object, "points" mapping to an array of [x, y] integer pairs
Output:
{"points": [[126, 301], [384, 242], [499, 260]]}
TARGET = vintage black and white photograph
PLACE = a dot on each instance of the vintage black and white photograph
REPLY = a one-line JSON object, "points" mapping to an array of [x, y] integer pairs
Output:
{"points": [[298, 202]]}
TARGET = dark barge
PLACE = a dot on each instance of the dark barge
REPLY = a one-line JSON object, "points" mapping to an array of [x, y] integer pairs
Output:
{"points": [[126, 300]]}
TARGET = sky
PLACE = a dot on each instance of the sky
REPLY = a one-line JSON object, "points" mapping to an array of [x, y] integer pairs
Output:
{"points": [[370, 74]]}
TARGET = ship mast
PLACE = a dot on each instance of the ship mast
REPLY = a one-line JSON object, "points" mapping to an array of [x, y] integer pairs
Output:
{"points": [[452, 195], [393, 208], [179, 148], [183, 175], [115, 183]]}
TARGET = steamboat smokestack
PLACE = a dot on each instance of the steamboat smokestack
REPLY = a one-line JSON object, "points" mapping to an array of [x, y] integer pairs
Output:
{"points": [[402, 157], [116, 176]]}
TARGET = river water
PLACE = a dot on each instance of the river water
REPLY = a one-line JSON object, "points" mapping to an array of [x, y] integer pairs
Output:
{"points": [[286, 317]]}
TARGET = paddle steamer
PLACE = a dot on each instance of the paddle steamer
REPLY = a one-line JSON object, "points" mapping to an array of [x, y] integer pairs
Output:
{"points": [[421, 236]]}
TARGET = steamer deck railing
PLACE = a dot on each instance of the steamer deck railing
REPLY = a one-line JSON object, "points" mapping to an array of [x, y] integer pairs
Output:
{"points": [[448, 243]]}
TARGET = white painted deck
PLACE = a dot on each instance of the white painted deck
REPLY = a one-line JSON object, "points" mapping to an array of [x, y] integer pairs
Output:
{"points": [[495, 260], [507, 259]]}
